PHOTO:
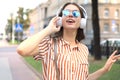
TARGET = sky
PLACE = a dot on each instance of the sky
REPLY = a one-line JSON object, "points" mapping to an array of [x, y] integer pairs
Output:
{"points": [[11, 6]]}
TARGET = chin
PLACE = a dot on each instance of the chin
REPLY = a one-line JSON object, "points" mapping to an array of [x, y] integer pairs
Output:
{"points": [[72, 28]]}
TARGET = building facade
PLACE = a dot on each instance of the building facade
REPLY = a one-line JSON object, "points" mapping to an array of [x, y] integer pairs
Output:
{"points": [[109, 16]]}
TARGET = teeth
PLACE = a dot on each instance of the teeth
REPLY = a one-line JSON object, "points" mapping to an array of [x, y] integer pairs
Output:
{"points": [[70, 20]]}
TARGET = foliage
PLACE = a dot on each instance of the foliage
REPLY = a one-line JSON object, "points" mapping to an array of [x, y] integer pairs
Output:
{"points": [[113, 74], [35, 64], [21, 18]]}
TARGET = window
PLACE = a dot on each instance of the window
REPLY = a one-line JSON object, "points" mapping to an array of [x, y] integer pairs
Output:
{"points": [[118, 27], [117, 13], [106, 27], [85, 1], [106, 12], [106, 1], [114, 1], [45, 12], [115, 28]]}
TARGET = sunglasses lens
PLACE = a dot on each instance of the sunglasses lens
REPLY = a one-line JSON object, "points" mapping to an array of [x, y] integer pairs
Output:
{"points": [[76, 13], [65, 12]]}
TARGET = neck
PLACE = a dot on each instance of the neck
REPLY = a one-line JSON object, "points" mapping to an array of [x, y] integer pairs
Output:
{"points": [[69, 35]]}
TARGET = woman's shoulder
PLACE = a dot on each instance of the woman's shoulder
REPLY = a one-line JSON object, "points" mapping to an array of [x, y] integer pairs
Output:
{"points": [[83, 45]]}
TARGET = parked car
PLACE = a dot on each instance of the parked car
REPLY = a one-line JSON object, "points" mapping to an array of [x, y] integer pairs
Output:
{"points": [[111, 42], [110, 45]]}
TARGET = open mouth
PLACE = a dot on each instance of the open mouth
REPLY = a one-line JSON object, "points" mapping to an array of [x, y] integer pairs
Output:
{"points": [[70, 21]]}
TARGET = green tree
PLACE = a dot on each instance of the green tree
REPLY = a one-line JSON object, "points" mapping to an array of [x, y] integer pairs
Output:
{"points": [[27, 20], [96, 30], [23, 17], [18, 19], [8, 28]]}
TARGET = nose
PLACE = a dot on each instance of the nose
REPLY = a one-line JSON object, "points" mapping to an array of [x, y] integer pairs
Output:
{"points": [[70, 14]]}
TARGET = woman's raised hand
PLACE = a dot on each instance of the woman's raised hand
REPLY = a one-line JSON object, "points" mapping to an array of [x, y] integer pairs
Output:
{"points": [[52, 26], [111, 60]]}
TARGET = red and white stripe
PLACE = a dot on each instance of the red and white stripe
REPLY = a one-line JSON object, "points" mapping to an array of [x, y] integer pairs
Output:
{"points": [[72, 61]]}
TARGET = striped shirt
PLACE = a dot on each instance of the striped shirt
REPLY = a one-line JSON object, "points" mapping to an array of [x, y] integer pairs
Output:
{"points": [[72, 61]]}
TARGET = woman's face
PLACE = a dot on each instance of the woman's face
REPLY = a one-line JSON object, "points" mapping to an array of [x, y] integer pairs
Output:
{"points": [[71, 17]]}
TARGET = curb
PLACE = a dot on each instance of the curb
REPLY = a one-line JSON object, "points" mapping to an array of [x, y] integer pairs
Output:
{"points": [[35, 71]]}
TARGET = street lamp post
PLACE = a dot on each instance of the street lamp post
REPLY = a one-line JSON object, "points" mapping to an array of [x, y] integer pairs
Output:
{"points": [[13, 28]]}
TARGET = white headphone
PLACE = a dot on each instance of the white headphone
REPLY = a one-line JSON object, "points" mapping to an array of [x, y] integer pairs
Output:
{"points": [[83, 21]]}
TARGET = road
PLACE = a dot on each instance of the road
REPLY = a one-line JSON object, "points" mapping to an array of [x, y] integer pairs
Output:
{"points": [[13, 66]]}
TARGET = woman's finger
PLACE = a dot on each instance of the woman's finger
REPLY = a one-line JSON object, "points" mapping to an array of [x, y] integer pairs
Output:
{"points": [[114, 53], [116, 57]]}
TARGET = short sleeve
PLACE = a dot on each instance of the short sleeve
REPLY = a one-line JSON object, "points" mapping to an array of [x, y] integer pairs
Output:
{"points": [[43, 48]]}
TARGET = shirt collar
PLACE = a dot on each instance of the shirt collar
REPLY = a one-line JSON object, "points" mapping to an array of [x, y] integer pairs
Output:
{"points": [[64, 42]]}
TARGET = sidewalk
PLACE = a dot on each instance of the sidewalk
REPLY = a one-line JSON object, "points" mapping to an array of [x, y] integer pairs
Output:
{"points": [[14, 66], [4, 43]]}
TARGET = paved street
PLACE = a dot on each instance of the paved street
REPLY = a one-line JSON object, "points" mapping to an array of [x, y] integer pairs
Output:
{"points": [[13, 66]]}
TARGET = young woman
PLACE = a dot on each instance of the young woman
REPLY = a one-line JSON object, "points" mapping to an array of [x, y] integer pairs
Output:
{"points": [[72, 55]]}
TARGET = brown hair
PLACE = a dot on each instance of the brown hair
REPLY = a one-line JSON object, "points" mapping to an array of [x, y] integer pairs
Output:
{"points": [[80, 33]]}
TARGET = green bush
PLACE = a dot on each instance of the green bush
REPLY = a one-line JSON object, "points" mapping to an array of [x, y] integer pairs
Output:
{"points": [[113, 74], [35, 64]]}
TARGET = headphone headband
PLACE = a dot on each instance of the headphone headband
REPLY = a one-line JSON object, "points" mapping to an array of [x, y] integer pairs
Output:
{"points": [[83, 11]]}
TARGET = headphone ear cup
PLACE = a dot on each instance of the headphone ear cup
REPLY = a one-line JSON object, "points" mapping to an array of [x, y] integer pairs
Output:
{"points": [[83, 23], [59, 22]]}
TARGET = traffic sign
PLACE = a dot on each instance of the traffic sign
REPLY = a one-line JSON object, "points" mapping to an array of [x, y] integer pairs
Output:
{"points": [[18, 27]]}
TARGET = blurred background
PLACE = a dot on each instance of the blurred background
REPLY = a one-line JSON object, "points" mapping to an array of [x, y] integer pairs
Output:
{"points": [[26, 21], [21, 19], [27, 17], [103, 20]]}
